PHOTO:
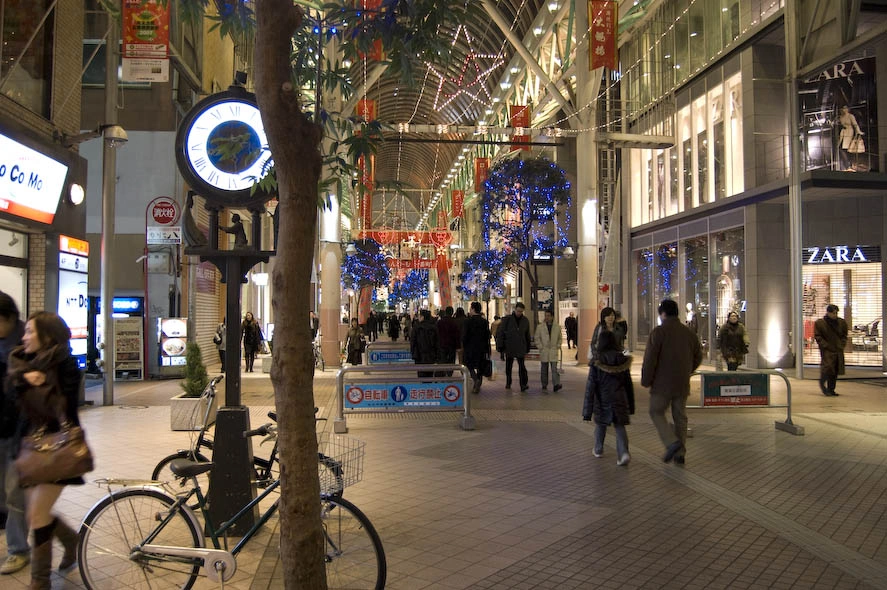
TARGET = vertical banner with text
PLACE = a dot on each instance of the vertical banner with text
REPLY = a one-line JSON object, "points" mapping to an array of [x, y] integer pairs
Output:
{"points": [[367, 173], [145, 41], [458, 204], [481, 171], [602, 36], [370, 8], [520, 120]]}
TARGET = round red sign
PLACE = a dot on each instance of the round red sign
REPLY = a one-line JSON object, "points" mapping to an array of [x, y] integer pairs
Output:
{"points": [[163, 211]]}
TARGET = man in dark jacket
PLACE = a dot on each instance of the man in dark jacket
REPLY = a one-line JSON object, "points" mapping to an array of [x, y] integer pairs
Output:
{"points": [[12, 499], [571, 326], [513, 338], [672, 354], [830, 333], [450, 338], [425, 343], [476, 344]]}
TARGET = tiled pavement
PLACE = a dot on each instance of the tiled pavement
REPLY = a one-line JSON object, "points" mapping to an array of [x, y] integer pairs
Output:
{"points": [[520, 502]]}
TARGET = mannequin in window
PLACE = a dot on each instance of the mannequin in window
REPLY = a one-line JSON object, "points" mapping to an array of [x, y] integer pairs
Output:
{"points": [[692, 322], [849, 131]]}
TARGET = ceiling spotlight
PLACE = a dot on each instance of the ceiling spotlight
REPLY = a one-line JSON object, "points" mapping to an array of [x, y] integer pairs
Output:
{"points": [[538, 31], [505, 85], [553, 6]]}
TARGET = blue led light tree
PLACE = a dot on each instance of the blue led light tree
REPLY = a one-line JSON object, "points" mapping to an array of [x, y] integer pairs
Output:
{"points": [[526, 212], [482, 276], [366, 266]]}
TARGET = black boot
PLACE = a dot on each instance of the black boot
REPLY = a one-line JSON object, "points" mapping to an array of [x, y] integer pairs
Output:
{"points": [[69, 538], [41, 558], [822, 386]]}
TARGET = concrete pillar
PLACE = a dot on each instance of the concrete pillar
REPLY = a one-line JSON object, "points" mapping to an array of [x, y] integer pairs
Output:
{"points": [[587, 88], [330, 260]]}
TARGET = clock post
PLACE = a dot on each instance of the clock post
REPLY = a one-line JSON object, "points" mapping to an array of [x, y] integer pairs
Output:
{"points": [[221, 151]]}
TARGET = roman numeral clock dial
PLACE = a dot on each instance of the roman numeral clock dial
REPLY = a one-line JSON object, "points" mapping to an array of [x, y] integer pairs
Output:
{"points": [[222, 150]]}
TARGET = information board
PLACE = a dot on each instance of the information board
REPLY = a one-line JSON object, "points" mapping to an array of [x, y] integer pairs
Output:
{"points": [[404, 395], [128, 348], [390, 356], [735, 389]]}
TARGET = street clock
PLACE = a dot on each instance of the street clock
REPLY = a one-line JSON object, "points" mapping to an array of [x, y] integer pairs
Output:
{"points": [[222, 150]]}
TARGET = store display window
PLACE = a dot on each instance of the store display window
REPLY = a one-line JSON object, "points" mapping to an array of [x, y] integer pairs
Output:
{"points": [[727, 270], [645, 318], [849, 277]]}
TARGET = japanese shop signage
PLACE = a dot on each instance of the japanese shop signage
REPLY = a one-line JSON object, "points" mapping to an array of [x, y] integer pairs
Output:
{"points": [[841, 254], [520, 120], [145, 41], [602, 35], [738, 389], [31, 183]]}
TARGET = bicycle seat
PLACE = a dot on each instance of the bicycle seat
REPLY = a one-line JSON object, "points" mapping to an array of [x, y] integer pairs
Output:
{"points": [[189, 468], [273, 415]]}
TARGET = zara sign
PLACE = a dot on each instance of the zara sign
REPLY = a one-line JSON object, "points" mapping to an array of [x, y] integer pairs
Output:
{"points": [[841, 254]]}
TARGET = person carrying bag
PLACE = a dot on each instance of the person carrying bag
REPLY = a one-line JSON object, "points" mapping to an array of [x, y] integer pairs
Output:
{"points": [[51, 451]]}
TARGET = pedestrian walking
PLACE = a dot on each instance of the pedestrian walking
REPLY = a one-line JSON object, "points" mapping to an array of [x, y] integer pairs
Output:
{"points": [[476, 344], [219, 339], [607, 324], [609, 396], [407, 326], [45, 379], [571, 327], [513, 338], [314, 323], [494, 329], [252, 340], [673, 353], [393, 328], [830, 333], [355, 343], [620, 330], [450, 338], [12, 497], [733, 341], [425, 343], [548, 338], [373, 327]]}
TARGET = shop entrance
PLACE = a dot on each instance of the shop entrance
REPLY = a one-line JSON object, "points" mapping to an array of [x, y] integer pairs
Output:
{"points": [[856, 289]]}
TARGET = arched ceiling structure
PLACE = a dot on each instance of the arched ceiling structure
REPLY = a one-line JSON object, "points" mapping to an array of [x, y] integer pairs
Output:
{"points": [[457, 94]]}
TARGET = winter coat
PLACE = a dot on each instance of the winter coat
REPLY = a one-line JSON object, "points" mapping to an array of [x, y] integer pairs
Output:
{"points": [[673, 353], [475, 340], [393, 327], [620, 330], [571, 325], [220, 337], [450, 334], [425, 343], [549, 344], [352, 345], [45, 406], [831, 335], [252, 336], [592, 346], [514, 336], [8, 405], [733, 342], [609, 392]]}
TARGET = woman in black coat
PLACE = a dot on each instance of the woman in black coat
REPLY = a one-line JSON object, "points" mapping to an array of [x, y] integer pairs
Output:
{"points": [[44, 378], [476, 344], [252, 340], [609, 395], [393, 327]]}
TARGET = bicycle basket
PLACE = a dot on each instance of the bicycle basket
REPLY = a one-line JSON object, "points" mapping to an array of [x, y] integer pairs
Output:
{"points": [[340, 462]]}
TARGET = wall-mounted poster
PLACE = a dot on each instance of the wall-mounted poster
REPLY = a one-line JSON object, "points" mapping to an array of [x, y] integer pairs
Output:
{"points": [[173, 339], [839, 115]]}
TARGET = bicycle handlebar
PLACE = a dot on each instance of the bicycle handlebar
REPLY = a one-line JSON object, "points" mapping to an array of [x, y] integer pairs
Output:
{"points": [[263, 430]]}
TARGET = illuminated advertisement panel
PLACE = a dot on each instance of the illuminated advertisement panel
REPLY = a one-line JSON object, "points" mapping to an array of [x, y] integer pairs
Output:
{"points": [[31, 183]]}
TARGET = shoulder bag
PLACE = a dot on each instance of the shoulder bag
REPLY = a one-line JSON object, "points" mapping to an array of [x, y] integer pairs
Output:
{"points": [[47, 457]]}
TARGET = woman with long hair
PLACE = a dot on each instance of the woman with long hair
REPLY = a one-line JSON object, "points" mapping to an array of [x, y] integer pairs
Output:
{"points": [[252, 340], [45, 379]]}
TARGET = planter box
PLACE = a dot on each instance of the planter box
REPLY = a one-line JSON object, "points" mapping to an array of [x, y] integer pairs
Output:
{"points": [[187, 413]]}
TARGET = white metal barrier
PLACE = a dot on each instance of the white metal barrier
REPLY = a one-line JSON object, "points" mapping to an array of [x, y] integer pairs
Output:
{"points": [[386, 385]]}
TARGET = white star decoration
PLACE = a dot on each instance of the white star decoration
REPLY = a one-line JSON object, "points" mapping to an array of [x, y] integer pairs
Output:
{"points": [[472, 75]]}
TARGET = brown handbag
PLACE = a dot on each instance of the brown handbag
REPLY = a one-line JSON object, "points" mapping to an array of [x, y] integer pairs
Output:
{"points": [[47, 457]]}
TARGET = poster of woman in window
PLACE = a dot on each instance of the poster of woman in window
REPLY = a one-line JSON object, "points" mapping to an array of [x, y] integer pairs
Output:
{"points": [[840, 118]]}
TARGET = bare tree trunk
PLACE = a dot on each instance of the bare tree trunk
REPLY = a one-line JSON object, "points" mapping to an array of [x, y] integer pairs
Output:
{"points": [[294, 141], [532, 272]]}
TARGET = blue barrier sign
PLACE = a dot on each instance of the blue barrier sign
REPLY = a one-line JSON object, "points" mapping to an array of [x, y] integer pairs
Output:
{"points": [[396, 356], [404, 395]]}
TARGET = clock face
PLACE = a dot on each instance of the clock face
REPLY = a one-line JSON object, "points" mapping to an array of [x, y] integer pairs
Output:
{"points": [[222, 150]]}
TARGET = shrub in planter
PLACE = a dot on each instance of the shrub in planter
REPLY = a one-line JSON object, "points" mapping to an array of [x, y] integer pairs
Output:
{"points": [[187, 410]]}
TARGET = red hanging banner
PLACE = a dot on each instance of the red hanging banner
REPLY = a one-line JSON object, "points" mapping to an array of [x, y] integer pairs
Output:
{"points": [[443, 281], [458, 204], [366, 109], [520, 120], [376, 53], [481, 170], [145, 28], [602, 52]]}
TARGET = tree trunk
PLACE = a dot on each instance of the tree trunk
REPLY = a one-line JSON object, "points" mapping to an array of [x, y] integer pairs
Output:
{"points": [[532, 272], [294, 141]]}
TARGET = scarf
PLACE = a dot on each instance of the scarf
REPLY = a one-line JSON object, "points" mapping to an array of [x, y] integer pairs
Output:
{"points": [[39, 403]]}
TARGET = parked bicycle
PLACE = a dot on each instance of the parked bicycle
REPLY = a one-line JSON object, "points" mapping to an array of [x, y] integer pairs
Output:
{"points": [[264, 468], [144, 536], [318, 355]]}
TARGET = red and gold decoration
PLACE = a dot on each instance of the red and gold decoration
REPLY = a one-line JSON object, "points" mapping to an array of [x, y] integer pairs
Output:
{"points": [[481, 171], [602, 51], [520, 120], [458, 204]]}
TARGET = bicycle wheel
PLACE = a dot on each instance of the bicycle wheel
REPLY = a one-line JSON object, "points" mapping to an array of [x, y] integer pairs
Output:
{"points": [[163, 473], [112, 531], [354, 554]]}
